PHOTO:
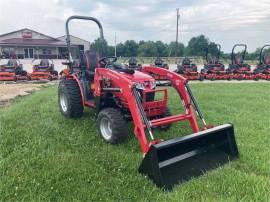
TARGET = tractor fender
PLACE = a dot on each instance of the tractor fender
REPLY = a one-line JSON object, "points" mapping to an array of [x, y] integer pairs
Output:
{"points": [[74, 77]]}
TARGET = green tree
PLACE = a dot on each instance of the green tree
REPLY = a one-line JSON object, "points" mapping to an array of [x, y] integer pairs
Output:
{"points": [[130, 48], [121, 50], [176, 50], [148, 49], [162, 49], [213, 49], [101, 46], [197, 45], [110, 51]]}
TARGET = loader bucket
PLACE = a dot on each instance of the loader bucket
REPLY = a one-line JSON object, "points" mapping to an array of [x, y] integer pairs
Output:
{"points": [[177, 160]]}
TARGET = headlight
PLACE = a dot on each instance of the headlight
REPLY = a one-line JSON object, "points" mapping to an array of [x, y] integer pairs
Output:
{"points": [[140, 86], [146, 84], [153, 85]]}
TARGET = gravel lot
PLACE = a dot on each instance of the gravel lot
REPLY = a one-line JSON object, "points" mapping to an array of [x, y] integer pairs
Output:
{"points": [[9, 91]]}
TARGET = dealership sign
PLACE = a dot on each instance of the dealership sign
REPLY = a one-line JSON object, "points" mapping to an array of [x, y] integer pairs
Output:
{"points": [[27, 35]]}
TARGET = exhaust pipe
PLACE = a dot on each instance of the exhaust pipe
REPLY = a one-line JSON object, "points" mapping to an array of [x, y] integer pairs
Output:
{"points": [[180, 159]]}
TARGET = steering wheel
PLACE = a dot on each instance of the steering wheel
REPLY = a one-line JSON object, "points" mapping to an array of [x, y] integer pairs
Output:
{"points": [[107, 60]]}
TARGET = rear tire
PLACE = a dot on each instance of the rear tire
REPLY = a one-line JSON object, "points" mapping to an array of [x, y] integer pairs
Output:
{"points": [[69, 99], [112, 126]]}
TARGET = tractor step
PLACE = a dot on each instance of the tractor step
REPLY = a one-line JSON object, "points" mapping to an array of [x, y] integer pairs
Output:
{"points": [[177, 160]]}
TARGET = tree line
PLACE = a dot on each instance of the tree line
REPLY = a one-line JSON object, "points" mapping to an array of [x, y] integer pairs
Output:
{"points": [[195, 47]]}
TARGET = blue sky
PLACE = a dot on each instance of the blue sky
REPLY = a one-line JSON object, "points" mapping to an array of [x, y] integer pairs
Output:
{"points": [[225, 22]]}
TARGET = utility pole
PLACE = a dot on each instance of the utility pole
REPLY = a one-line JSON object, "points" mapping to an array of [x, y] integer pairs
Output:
{"points": [[177, 22], [115, 44]]}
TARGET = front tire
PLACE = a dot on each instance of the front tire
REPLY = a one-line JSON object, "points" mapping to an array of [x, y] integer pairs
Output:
{"points": [[167, 113], [112, 126], [69, 99]]}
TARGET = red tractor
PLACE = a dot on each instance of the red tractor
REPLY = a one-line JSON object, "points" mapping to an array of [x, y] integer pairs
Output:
{"points": [[262, 70], [238, 67], [44, 70], [214, 69], [13, 71], [119, 95], [188, 70]]}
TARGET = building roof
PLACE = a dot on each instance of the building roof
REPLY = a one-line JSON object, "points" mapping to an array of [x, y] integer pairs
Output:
{"points": [[63, 38], [42, 40], [27, 41], [27, 29]]}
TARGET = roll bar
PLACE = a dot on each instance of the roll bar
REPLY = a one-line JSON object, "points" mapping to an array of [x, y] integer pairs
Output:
{"points": [[244, 53], [80, 18], [261, 53], [207, 51]]}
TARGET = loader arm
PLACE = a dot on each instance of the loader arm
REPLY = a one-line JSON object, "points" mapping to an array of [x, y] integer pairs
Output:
{"points": [[127, 89], [180, 84]]}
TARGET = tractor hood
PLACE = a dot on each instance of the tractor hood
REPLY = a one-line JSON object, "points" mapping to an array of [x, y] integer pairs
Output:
{"points": [[138, 76]]}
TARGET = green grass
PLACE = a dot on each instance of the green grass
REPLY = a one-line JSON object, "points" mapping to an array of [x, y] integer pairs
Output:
{"points": [[44, 156]]}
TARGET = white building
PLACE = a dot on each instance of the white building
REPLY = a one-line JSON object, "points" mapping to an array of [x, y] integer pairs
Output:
{"points": [[27, 43]]}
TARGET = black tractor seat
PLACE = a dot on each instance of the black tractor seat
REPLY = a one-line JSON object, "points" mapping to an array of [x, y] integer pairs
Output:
{"points": [[159, 62], [12, 63], [266, 59], [238, 59], [44, 63], [89, 62], [186, 61], [133, 63]]}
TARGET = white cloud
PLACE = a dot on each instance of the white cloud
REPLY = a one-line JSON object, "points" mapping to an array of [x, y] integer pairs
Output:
{"points": [[226, 22]]}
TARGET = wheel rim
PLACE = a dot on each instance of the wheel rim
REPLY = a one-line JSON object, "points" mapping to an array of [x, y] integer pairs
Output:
{"points": [[63, 102], [105, 128]]}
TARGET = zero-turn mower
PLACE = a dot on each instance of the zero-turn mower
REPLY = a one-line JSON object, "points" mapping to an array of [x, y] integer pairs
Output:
{"points": [[13, 71], [119, 94], [238, 67], [188, 69], [133, 64], [159, 62], [214, 69], [262, 70], [44, 70]]}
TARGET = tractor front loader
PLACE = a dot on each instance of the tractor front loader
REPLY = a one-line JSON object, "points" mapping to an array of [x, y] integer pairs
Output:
{"points": [[119, 94]]}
